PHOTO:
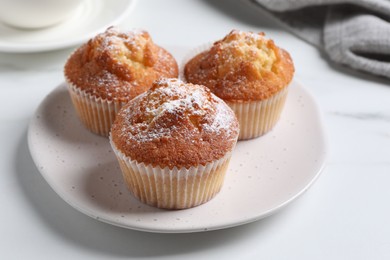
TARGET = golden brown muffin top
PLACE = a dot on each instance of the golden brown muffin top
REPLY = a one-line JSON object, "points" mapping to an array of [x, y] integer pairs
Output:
{"points": [[243, 66], [117, 65], [175, 124]]}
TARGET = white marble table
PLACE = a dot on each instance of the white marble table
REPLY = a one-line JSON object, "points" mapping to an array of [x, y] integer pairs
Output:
{"points": [[344, 215]]}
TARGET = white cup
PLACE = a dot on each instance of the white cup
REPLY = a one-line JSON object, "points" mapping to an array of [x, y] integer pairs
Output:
{"points": [[32, 14]]}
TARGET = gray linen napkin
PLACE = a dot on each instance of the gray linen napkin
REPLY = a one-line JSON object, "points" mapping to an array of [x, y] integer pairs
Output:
{"points": [[355, 33]]}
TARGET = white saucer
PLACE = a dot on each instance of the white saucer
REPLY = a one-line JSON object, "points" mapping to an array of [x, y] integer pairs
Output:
{"points": [[93, 17]]}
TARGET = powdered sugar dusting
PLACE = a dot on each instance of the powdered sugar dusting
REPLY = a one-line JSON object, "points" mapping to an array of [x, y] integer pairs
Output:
{"points": [[172, 107], [222, 118], [176, 99], [113, 39], [119, 65], [247, 46]]}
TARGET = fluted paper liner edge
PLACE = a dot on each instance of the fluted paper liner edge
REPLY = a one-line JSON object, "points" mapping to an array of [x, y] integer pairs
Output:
{"points": [[177, 188], [257, 118], [96, 114]]}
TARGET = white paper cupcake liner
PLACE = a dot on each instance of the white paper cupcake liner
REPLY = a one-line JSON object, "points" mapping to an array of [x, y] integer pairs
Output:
{"points": [[255, 118], [95, 113], [177, 188]]}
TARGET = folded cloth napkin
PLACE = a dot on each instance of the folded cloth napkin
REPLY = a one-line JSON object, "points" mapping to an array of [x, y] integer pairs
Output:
{"points": [[352, 32]]}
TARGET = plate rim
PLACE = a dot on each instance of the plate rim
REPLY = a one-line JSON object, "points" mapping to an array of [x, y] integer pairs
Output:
{"points": [[223, 225]]}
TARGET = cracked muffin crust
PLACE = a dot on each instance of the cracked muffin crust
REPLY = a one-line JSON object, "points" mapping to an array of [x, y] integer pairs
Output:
{"points": [[243, 66], [250, 73], [117, 65], [175, 124], [111, 69]]}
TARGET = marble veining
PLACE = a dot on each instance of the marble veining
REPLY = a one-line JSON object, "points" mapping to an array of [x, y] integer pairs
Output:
{"points": [[364, 116]]}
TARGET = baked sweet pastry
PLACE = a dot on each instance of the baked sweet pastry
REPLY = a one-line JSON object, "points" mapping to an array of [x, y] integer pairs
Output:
{"points": [[111, 69], [174, 143], [250, 73]]}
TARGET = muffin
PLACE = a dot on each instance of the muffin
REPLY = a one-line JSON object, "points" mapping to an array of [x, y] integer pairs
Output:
{"points": [[110, 70], [174, 143], [250, 73]]}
